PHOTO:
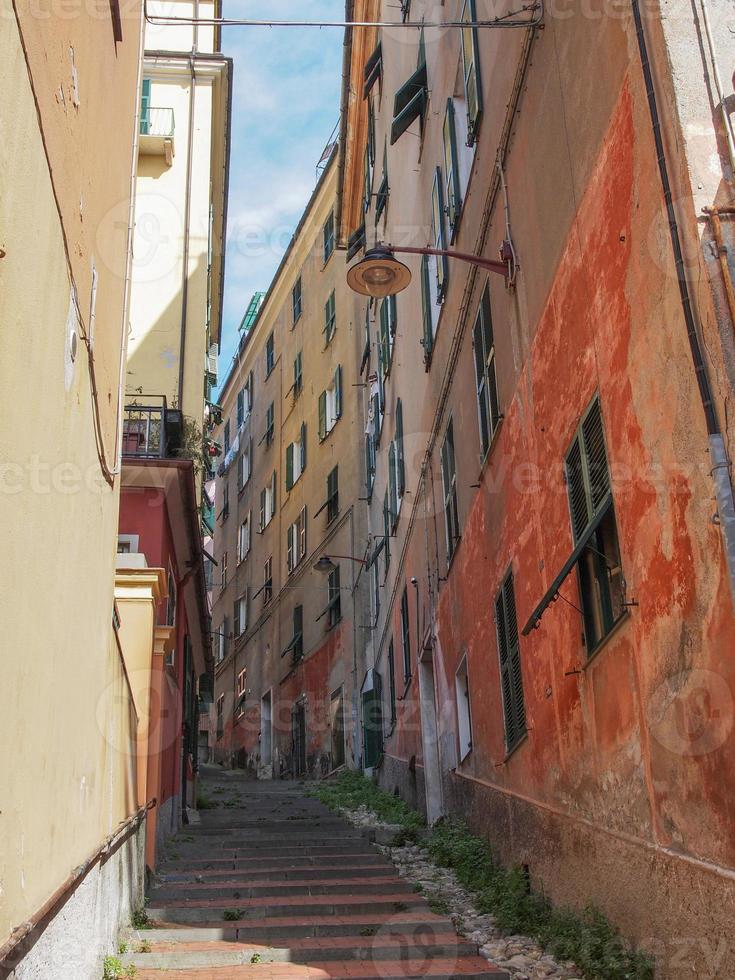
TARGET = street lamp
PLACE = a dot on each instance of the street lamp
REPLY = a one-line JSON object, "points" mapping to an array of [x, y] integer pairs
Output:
{"points": [[326, 564], [379, 273]]}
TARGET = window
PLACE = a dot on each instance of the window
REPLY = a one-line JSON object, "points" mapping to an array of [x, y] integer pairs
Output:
{"points": [[509, 652], [451, 169], [241, 691], [296, 305], [411, 100], [330, 405], [406, 635], [471, 71], [225, 512], [240, 407], [387, 528], [240, 614], [244, 400], [373, 70], [171, 599], [220, 716], [270, 355], [372, 719], [369, 465], [296, 541], [268, 581], [328, 237], [268, 503], [298, 375], [296, 644], [392, 682], [394, 499], [375, 589], [330, 319], [427, 309], [333, 608], [368, 165], [386, 337], [594, 527], [449, 484], [337, 727], [400, 453], [438, 235], [464, 715], [332, 494], [381, 198], [222, 638], [244, 464], [243, 539], [487, 384], [223, 583], [270, 424], [296, 458], [227, 437], [356, 242]]}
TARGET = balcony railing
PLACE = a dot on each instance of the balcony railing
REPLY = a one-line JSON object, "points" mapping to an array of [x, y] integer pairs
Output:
{"points": [[157, 121], [151, 431]]}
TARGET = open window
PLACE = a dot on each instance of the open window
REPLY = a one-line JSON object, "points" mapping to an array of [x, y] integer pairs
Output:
{"points": [[464, 713], [296, 458], [411, 99], [296, 541], [330, 405], [296, 644], [509, 655]]}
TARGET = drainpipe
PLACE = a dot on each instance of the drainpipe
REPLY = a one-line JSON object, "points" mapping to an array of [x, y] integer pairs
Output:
{"points": [[718, 453]]}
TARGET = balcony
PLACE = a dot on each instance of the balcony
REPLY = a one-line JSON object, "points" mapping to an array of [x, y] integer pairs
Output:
{"points": [[151, 431], [157, 132]]}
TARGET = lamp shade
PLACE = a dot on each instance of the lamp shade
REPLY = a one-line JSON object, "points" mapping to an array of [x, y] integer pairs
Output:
{"points": [[379, 273]]}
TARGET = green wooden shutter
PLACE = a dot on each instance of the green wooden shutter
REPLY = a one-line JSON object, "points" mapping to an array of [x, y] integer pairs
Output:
{"points": [[384, 341], [451, 167], [386, 529], [236, 616], [372, 717], [262, 509], [510, 663], [323, 415], [338, 392], [392, 483], [438, 235], [289, 465], [482, 401], [392, 682], [428, 319], [400, 460], [587, 472], [392, 315], [302, 446], [145, 108]]}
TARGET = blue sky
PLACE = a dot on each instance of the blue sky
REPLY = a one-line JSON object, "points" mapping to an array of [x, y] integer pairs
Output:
{"points": [[285, 104]]}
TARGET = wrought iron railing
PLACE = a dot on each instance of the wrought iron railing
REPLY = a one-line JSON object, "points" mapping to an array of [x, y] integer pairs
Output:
{"points": [[157, 121], [151, 431]]}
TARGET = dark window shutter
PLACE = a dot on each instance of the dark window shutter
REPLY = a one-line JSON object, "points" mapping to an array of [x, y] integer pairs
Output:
{"points": [[373, 70], [338, 391], [451, 166], [596, 456], [510, 663], [405, 95], [303, 446], [426, 308], [577, 492], [323, 415], [401, 466], [479, 349], [356, 242], [440, 241], [289, 465]]}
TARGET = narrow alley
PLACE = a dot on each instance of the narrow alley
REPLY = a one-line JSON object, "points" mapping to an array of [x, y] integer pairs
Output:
{"points": [[272, 886]]}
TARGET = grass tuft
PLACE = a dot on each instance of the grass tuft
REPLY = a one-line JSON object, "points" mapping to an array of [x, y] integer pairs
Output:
{"points": [[112, 969], [587, 938]]}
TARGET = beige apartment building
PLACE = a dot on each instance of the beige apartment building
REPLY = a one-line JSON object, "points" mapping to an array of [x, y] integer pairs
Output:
{"points": [[289, 637], [72, 808], [181, 213]]}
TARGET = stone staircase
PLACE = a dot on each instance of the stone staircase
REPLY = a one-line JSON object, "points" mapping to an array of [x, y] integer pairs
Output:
{"points": [[273, 886]]}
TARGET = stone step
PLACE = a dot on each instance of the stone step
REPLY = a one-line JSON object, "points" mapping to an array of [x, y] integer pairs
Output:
{"points": [[253, 876], [212, 911], [467, 968], [193, 891], [354, 928], [275, 863], [273, 846], [195, 955]]}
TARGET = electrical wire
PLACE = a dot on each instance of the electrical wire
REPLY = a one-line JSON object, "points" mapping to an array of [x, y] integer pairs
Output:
{"points": [[506, 20]]}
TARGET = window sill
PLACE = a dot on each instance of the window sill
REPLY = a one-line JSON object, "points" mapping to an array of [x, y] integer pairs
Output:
{"points": [[617, 626], [514, 748]]}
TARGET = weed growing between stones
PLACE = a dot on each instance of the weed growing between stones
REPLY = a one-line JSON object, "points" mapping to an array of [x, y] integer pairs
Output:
{"points": [[112, 969], [587, 938]]}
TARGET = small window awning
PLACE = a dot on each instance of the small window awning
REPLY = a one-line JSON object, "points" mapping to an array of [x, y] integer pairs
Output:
{"points": [[356, 242], [376, 552], [552, 592]]}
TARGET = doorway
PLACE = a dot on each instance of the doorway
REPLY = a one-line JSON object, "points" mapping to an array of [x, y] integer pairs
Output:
{"points": [[430, 739], [266, 734], [337, 725], [298, 738]]}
